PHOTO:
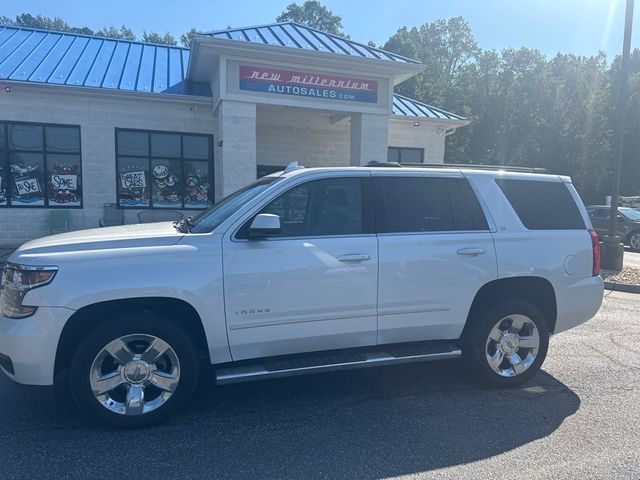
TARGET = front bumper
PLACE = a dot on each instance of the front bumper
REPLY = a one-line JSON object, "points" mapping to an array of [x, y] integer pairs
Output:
{"points": [[30, 344]]}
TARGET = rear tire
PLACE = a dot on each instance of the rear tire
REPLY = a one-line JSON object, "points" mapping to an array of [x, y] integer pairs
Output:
{"points": [[507, 343], [634, 241], [134, 370]]}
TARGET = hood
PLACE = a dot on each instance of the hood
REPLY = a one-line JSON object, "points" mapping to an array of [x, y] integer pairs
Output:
{"points": [[125, 236]]}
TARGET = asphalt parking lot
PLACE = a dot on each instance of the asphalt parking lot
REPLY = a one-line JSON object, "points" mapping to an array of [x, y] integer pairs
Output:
{"points": [[577, 419]]}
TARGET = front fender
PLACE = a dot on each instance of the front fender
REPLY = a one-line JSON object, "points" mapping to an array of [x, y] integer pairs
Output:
{"points": [[191, 273]]}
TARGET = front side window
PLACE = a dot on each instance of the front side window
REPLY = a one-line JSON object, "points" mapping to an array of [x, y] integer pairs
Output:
{"points": [[331, 206], [40, 165], [164, 170]]}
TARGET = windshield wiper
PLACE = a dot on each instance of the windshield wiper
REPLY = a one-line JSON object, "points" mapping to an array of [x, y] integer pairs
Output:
{"points": [[184, 225]]}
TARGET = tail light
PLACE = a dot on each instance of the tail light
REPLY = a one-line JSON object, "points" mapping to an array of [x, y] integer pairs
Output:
{"points": [[595, 242]]}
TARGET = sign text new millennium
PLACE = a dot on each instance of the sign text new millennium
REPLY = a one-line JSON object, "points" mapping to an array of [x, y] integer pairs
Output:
{"points": [[307, 84]]}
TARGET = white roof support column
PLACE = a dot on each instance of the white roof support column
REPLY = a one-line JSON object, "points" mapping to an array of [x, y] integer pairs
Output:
{"points": [[235, 155], [369, 138]]}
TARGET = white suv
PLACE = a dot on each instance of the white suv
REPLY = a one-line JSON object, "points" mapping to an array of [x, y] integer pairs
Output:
{"points": [[306, 270]]}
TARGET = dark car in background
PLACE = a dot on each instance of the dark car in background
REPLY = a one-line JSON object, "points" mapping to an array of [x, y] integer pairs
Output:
{"points": [[627, 224]]}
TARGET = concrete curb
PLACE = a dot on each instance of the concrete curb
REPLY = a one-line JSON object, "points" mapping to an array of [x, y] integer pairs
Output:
{"points": [[622, 287]]}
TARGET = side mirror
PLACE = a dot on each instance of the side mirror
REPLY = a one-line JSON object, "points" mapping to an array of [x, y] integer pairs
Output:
{"points": [[264, 225]]}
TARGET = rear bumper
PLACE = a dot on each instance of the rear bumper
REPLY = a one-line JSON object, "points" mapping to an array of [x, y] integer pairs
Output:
{"points": [[578, 302], [28, 345]]}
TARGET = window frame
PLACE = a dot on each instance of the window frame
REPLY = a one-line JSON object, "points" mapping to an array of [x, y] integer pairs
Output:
{"points": [[401, 149], [5, 153], [150, 158]]}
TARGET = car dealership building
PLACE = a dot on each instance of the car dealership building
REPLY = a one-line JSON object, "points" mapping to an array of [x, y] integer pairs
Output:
{"points": [[90, 123]]}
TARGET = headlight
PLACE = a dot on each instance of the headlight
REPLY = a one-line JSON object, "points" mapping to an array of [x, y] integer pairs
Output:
{"points": [[17, 280]]}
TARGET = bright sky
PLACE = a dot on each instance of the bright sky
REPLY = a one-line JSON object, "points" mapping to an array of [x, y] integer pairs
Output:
{"points": [[569, 26]]}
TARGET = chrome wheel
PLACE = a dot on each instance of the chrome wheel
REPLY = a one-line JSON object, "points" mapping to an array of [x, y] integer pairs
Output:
{"points": [[512, 345], [134, 374], [634, 241]]}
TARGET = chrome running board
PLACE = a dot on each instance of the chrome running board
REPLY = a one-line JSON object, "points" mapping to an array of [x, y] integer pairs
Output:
{"points": [[332, 361]]}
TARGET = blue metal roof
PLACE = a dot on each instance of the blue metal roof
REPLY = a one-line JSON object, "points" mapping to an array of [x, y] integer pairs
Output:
{"points": [[59, 58], [44, 56], [295, 35], [405, 106]]}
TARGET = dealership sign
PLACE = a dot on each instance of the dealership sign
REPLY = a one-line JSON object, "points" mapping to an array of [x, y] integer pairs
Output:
{"points": [[307, 84]]}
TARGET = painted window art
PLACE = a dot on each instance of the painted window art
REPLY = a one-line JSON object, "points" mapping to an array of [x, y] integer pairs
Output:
{"points": [[164, 170], [40, 165]]}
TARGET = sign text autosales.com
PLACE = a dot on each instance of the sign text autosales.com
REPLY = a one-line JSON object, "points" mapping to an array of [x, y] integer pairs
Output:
{"points": [[310, 92]]}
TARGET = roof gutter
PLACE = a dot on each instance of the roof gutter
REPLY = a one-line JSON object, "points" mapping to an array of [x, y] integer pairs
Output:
{"points": [[104, 93]]}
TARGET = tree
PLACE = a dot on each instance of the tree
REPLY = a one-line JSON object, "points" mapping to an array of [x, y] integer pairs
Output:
{"points": [[445, 47], [122, 33], [313, 14], [47, 23], [187, 37], [153, 37]]}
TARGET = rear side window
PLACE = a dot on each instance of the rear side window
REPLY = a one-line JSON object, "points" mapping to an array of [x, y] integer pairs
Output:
{"points": [[542, 205], [426, 204]]}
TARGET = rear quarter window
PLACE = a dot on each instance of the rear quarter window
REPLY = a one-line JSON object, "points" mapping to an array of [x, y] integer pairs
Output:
{"points": [[542, 205]]}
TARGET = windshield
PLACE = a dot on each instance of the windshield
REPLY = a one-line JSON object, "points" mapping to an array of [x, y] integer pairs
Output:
{"points": [[218, 213], [630, 213]]}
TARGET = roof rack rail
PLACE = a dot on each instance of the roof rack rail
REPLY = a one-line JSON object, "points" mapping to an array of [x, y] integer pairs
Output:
{"points": [[506, 168]]}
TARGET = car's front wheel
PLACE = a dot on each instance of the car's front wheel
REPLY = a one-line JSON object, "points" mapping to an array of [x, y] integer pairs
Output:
{"points": [[506, 344], [634, 241], [134, 370]]}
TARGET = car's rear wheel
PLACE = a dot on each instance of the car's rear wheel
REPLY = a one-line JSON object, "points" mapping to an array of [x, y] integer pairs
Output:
{"points": [[134, 370], [634, 241], [507, 344]]}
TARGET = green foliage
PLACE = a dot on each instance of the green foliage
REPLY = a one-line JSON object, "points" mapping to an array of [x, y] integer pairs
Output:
{"points": [[122, 33], [526, 109], [187, 37], [153, 37], [47, 23], [314, 14]]}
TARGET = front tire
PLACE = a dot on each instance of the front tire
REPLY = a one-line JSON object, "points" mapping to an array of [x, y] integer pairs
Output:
{"points": [[134, 370], [507, 344]]}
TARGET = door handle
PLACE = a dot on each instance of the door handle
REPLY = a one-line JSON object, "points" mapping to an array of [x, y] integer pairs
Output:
{"points": [[472, 252], [354, 257]]}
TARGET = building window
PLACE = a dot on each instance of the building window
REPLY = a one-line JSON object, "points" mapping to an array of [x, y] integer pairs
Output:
{"points": [[164, 170], [264, 170], [405, 155], [40, 165]]}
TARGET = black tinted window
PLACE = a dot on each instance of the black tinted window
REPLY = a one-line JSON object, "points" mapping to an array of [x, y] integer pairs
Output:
{"points": [[426, 204], [331, 206], [412, 204], [467, 212], [542, 205]]}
